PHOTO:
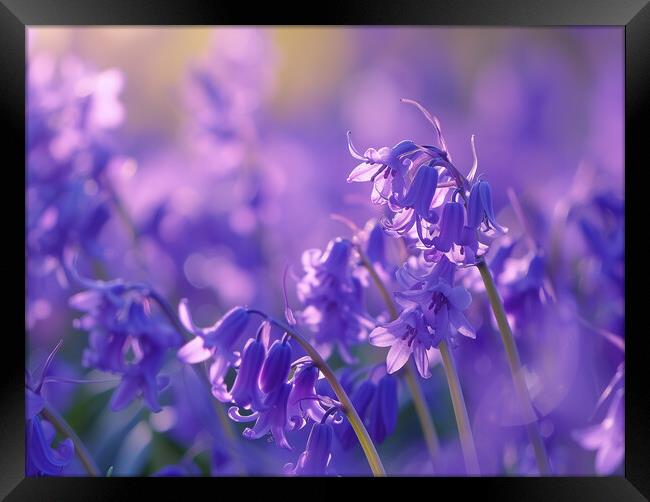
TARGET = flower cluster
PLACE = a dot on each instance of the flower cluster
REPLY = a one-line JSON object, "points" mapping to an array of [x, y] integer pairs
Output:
{"points": [[270, 389], [452, 215], [125, 338], [331, 294]]}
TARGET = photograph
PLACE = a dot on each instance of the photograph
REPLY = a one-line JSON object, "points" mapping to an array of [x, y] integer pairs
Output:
{"points": [[343, 251]]}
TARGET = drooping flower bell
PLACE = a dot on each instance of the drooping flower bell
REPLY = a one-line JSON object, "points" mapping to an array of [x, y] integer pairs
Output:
{"points": [[382, 416], [451, 226], [375, 244], [245, 391], [415, 208], [317, 455], [271, 418], [361, 399], [304, 401], [480, 210], [276, 366], [218, 342]]}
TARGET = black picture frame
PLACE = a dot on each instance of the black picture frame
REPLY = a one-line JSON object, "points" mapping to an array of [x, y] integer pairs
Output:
{"points": [[16, 15]]}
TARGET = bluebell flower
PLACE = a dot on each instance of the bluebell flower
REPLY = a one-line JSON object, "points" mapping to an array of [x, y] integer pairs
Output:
{"points": [[452, 223], [432, 312], [332, 298], [416, 207], [277, 364], [406, 335], [245, 391], [606, 438], [124, 338], [271, 418], [317, 455], [376, 244], [442, 306], [480, 210], [382, 416], [386, 168], [218, 342], [304, 400]]}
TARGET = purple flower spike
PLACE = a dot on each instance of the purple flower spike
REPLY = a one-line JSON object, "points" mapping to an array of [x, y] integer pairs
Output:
{"points": [[125, 338], [276, 366], [317, 455], [382, 418], [332, 298], [451, 227], [480, 209], [245, 392]]}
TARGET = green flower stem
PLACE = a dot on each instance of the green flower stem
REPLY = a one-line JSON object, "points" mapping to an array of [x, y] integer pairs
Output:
{"points": [[516, 369], [419, 402], [460, 411], [422, 411], [63, 428], [348, 408]]}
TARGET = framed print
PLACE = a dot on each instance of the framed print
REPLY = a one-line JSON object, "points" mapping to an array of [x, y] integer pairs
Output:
{"points": [[391, 245]]}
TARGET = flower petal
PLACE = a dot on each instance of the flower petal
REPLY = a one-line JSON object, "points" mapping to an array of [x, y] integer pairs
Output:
{"points": [[397, 355], [363, 172], [194, 352]]}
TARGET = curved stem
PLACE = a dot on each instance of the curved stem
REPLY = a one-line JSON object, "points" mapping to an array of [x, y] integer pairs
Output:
{"points": [[460, 410], [61, 426], [348, 408], [419, 402], [521, 389]]}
